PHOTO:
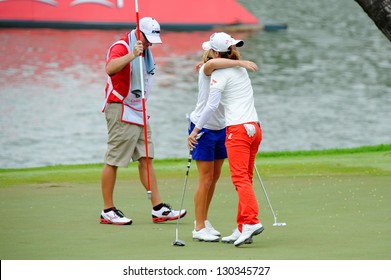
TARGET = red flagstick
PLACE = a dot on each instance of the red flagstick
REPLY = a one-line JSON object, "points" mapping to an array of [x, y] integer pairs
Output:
{"points": [[149, 193]]}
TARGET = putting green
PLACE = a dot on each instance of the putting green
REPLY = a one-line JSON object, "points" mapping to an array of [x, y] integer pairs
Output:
{"points": [[336, 205]]}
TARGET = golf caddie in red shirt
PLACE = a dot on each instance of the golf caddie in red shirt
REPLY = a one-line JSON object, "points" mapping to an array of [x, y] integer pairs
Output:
{"points": [[123, 110]]}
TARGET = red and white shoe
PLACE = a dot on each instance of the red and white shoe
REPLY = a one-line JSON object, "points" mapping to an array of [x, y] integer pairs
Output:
{"points": [[114, 217], [166, 213]]}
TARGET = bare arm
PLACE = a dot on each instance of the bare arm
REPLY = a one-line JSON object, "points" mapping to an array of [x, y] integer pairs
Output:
{"points": [[219, 63], [117, 64]]}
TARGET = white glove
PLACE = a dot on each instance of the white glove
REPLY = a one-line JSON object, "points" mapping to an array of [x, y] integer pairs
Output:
{"points": [[250, 128]]}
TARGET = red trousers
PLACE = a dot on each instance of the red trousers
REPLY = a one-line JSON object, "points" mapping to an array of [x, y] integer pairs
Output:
{"points": [[242, 150]]}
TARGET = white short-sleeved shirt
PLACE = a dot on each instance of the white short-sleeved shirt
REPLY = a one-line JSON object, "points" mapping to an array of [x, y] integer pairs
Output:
{"points": [[217, 120], [237, 95]]}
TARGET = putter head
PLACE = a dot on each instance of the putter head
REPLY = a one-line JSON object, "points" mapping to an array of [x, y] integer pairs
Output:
{"points": [[149, 195], [179, 243], [279, 224]]}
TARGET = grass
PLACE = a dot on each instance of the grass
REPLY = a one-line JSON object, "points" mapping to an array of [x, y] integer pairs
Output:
{"points": [[336, 204]]}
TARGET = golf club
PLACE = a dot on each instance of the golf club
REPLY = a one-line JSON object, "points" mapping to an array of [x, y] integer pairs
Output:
{"points": [[178, 242], [268, 200]]}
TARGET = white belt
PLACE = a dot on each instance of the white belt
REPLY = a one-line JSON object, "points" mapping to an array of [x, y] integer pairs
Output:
{"points": [[119, 96]]}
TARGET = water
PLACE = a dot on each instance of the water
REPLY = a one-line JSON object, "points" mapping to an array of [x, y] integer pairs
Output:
{"points": [[324, 83]]}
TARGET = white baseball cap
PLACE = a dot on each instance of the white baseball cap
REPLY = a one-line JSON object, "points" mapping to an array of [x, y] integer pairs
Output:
{"points": [[220, 42], [151, 29]]}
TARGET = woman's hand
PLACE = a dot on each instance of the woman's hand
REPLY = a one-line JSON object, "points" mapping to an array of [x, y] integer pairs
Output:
{"points": [[193, 137], [192, 140], [249, 65]]}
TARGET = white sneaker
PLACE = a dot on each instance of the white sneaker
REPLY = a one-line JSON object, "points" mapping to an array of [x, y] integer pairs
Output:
{"points": [[166, 213], [114, 217], [211, 229], [204, 235], [234, 236], [248, 231]]}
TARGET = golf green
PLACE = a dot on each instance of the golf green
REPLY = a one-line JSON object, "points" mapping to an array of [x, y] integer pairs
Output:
{"points": [[336, 204]]}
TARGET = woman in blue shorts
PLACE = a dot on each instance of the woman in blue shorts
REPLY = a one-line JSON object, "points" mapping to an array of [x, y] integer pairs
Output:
{"points": [[210, 152]]}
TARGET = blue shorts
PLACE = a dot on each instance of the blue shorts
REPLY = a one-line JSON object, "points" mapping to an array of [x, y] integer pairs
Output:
{"points": [[211, 145]]}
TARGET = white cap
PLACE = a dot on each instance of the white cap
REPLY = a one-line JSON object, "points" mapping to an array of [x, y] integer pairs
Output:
{"points": [[220, 42], [151, 29]]}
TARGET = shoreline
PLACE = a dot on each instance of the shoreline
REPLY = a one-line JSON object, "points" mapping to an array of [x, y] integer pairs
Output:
{"points": [[274, 154]]}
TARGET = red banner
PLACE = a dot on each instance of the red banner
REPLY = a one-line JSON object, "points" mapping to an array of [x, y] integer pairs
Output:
{"points": [[172, 12]]}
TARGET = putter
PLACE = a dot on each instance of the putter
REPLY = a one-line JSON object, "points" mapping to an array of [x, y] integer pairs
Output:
{"points": [[178, 242], [268, 200]]}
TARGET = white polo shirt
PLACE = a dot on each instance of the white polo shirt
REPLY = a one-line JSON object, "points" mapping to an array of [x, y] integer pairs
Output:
{"points": [[232, 87], [217, 120]]}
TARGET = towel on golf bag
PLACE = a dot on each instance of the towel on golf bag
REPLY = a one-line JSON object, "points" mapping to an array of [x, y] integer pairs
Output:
{"points": [[149, 64]]}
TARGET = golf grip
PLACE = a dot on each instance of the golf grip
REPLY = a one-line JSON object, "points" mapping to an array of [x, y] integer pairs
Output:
{"points": [[189, 161]]}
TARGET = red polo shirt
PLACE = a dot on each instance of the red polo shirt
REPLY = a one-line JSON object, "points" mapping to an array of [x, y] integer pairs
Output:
{"points": [[121, 79]]}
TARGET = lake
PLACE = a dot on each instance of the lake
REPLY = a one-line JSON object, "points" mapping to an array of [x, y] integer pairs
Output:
{"points": [[323, 83]]}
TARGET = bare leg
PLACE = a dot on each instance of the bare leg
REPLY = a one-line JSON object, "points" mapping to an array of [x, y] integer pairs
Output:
{"points": [[216, 175], [108, 178], [205, 179], [142, 168]]}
